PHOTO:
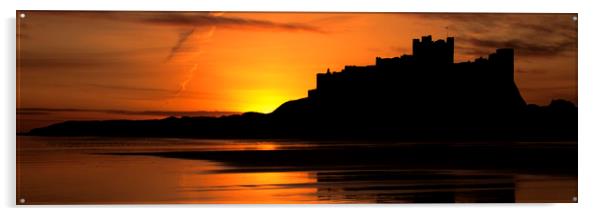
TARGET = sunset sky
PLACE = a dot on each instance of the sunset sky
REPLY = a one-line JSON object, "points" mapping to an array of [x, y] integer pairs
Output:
{"points": [[98, 65]]}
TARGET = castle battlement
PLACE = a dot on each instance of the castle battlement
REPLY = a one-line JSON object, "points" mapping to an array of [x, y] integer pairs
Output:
{"points": [[437, 52]]}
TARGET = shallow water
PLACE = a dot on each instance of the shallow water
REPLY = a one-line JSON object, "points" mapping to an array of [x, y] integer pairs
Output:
{"points": [[59, 170]]}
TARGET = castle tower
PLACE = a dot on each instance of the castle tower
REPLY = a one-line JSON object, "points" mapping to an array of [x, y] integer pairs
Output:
{"points": [[416, 47], [504, 60], [438, 52]]}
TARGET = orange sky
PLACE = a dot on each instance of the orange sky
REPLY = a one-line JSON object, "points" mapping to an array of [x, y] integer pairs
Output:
{"points": [[199, 61]]}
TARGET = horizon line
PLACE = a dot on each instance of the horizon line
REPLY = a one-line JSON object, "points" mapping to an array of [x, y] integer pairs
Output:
{"points": [[47, 111]]}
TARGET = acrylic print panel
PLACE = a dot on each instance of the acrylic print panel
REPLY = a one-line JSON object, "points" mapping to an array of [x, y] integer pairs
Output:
{"points": [[241, 107]]}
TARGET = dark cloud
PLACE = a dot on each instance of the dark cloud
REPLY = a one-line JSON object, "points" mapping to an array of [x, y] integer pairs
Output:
{"points": [[190, 21], [194, 20], [186, 19], [523, 47], [531, 35], [202, 19]]}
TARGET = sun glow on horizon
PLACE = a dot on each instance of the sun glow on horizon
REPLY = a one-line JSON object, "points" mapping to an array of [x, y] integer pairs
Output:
{"points": [[263, 101]]}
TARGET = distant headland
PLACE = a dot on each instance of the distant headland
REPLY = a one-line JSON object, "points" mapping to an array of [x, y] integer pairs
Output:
{"points": [[425, 95]]}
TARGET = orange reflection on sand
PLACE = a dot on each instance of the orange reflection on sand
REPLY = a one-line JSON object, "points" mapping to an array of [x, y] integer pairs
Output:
{"points": [[263, 187], [266, 146], [261, 145]]}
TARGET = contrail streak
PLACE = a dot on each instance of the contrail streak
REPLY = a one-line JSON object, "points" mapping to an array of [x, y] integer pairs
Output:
{"points": [[183, 38], [185, 82]]}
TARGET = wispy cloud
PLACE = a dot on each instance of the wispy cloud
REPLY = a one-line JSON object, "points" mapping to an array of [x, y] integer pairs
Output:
{"points": [[189, 19], [523, 47], [531, 35], [205, 19], [191, 22]]}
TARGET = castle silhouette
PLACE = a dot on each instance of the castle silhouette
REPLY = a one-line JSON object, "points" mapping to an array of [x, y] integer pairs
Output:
{"points": [[482, 84], [425, 95], [426, 87]]}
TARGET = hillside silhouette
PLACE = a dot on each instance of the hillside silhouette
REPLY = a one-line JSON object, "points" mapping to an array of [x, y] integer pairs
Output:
{"points": [[425, 95]]}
